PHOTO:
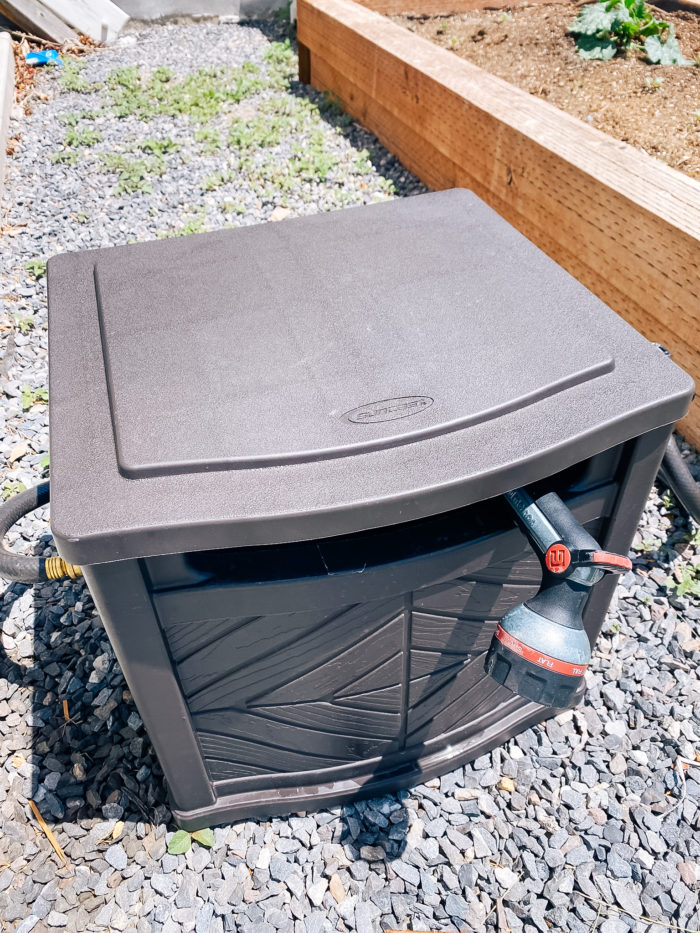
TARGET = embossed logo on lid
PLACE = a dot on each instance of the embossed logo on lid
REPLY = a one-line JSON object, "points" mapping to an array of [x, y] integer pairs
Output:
{"points": [[389, 409]]}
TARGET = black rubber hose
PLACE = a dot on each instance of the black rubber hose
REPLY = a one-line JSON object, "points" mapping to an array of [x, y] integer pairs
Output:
{"points": [[16, 566], [675, 474]]}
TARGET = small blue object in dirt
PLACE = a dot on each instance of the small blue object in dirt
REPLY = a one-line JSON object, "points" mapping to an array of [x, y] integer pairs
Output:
{"points": [[46, 57]]}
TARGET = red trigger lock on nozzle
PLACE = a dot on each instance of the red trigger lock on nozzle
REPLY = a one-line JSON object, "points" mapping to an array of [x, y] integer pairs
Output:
{"points": [[558, 558]]}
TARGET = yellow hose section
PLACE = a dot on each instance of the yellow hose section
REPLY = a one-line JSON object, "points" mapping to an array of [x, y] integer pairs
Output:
{"points": [[57, 567]]}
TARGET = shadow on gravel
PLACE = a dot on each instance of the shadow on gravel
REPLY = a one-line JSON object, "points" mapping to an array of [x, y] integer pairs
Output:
{"points": [[76, 742]]}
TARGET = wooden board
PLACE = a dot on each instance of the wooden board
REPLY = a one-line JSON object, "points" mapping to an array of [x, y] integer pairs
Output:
{"points": [[35, 18], [99, 19], [624, 224]]}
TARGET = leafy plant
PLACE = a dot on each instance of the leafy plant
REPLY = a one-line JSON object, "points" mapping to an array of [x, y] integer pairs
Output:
{"points": [[12, 487], [72, 119], [332, 106], [30, 396], [132, 174], [82, 137], [159, 146], [66, 157], [45, 462], [689, 582], [24, 324], [181, 841], [607, 27], [209, 139], [36, 268], [72, 78], [258, 133], [311, 161], [200, 95]]}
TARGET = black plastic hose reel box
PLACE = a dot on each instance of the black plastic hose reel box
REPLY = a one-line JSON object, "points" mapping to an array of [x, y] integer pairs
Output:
{"points": [[279, 454]]}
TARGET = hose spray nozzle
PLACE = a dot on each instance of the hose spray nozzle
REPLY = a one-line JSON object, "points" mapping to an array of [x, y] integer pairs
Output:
{"points": [[540, 649]]}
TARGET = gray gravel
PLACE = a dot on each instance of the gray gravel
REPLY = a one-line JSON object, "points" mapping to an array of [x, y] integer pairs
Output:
{"points": [[583, 823]]}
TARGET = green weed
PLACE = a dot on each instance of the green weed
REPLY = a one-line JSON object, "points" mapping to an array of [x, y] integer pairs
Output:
{"points": [[311, 161], [66, 157], [181, 841], [362, 164], [261, 132], [158, 147], [72, 119], [282, 63], [12, 487], [132, 174], [200, 95], [211, 182], [193, 225], [331, 105], [72, 78], [82, 137], [689, 582], [232, 207], [36, 268], [209, 139], [30, 396], [24, 323]]}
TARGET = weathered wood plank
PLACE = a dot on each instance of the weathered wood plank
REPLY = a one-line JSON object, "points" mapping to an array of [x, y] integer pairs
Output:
{"points": [[102, 20], [35, 18], [626, 225]]}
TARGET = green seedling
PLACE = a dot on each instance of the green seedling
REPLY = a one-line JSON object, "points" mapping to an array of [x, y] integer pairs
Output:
{"points": [[362, 164], [36, 268], [45, 462], [12, 487], [224, 177], [132, 174], [193, 225], [281, 63], [259, 133], [689, 583], [200, 95], [209, 140], [72, 119], [332, 106], [181, 841], [32, 396], [66, 157], [605, 28], [159, 146], [82, 137], [24, 324], [72, 78], [311, 161]]}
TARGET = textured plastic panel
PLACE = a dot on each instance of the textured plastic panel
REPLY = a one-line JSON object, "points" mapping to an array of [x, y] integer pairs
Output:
{"points": [[326, 375], [312, 686], [266, 370]]}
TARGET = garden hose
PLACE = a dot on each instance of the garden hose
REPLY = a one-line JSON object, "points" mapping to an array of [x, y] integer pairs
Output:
{"points": [[19, 567], [673, 473]]}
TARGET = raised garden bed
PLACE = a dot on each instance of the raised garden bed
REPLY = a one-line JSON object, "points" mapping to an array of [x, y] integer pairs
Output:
{"points": [[654, 108], [625, 224]]}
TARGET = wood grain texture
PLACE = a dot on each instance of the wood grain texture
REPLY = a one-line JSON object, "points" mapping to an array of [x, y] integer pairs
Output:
{"points": [[37, 19], [100, 19], [624, 224]]}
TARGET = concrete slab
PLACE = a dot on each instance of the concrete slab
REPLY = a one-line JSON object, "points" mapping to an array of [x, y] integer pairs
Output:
{"points": [[7, 95], [162, 10]]}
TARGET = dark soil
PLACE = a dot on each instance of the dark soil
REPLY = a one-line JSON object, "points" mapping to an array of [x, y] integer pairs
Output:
{"points": [[653, 107]]}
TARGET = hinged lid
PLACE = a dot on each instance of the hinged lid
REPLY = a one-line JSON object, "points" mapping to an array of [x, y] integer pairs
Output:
{"points": [[326, 374]]}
